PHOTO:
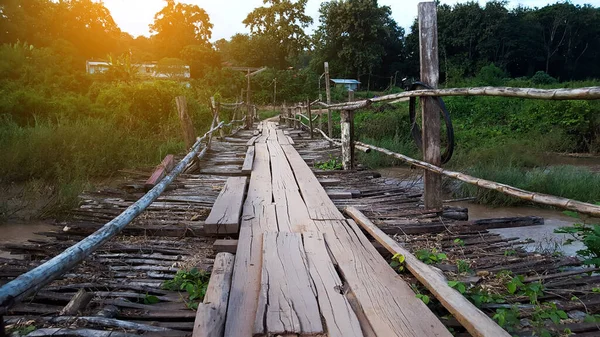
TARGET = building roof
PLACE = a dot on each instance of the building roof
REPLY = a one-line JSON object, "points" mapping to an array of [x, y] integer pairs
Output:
{"points": [[344, 81]]}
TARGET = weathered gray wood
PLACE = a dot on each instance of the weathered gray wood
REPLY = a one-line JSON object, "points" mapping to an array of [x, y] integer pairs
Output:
{"points": [[258, 216], [160, 172], [287, 302], [387, 301], [248, 160], [320, 207], [252, 140], [428, 45], [224, 217], [310, 121], [292, 213], [340, 319], [189, 134], [347, 119], [328, 93], [78, 303], [211, 313], [474, 320], [225, 246]]}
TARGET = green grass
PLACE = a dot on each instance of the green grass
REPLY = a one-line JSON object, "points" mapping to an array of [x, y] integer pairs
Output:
{"points": [[264, 114], [66, 156]]}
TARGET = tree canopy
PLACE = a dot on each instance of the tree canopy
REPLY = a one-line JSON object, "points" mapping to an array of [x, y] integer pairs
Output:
{"points": [[281, 24], [178, 25]]}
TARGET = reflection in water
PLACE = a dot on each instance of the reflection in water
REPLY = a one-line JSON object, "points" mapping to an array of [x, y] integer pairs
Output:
{"points": [[16, 232]]}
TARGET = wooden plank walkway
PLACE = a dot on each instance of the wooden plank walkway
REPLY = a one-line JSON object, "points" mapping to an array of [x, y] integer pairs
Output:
{"points": [[291, 238]]}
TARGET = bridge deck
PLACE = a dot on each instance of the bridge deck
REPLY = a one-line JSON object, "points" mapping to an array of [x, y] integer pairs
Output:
{"points": [[125, 274], [292, 237]]}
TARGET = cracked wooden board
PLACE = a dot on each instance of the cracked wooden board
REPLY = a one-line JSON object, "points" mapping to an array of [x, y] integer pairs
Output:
{"points": [[387, 301], [225, 214], [292, 213], [320, 206], [287, 301], [340, 319]]}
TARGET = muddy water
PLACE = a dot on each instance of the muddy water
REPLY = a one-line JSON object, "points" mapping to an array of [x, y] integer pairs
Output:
{"points": [[20, 232], [545, 240]]}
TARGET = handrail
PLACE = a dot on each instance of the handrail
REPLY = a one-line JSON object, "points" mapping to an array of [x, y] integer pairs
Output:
{"points": [[35, 279], [305, 117], [586, 93], [539, 198]]}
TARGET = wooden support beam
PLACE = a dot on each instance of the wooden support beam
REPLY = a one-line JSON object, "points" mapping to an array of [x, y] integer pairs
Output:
{"points": [[248, 161], [428, 43], [347, 130], [328, 92], [225, 246], [248, 105], [211, 314], [77, 304], [189, 134], [224, 217], [310, 121], [160, 172], [215, 111], [477, 323]]}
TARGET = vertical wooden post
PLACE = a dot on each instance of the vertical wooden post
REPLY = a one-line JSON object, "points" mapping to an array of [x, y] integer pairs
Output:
{"points": [[189, 134], [213, 108], [347, 131], [320, 119], [297, 110], [428, 44], [288, 122], [310, 123], [249, 111], [350, 95], [328, 93]]}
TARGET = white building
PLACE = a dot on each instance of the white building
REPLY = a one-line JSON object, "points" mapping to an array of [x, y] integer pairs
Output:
{"points": [[144, 69]]}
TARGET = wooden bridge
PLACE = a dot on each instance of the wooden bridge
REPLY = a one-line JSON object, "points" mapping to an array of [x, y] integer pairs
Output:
{"points": [[294, 250]]}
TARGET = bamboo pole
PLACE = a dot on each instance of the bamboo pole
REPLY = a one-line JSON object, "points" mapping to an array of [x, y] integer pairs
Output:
{"points": [[477, 323], [539, 198], [585, 93]]}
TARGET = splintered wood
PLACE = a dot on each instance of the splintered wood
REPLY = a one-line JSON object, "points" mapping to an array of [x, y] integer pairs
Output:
{"points": [[292, 237]]}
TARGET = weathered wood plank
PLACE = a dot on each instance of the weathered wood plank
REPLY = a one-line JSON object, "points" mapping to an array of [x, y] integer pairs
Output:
{"points": [[287, 302], [224, 217], [160, 172], [320, 207], [258, 217], [226, 246], [211, 313], [340, 319], [387, 301], [292, 213], [474, 320], [248, 161]]}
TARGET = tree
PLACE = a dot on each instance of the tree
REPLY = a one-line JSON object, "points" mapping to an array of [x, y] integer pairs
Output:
{"points": [[201, 59], [178, 25], [281, 24], [355, 35]]}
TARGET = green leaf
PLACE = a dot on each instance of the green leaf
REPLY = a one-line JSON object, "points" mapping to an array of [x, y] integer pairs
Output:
{"points": [[151, 299]]}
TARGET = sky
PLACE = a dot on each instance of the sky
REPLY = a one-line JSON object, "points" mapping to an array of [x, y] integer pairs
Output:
{"points": [[134, 16]]}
